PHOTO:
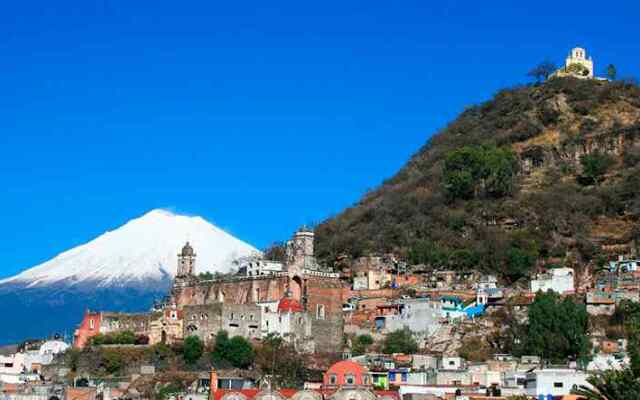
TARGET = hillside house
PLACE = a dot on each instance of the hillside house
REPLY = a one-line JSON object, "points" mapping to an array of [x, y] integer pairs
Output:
{"points": [[560, 280], [421, 316], [554, 381], [600, 303]]}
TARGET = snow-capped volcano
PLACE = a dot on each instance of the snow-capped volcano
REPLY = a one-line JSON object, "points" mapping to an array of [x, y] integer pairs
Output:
{"points": [[143, 249], [126, 270]]}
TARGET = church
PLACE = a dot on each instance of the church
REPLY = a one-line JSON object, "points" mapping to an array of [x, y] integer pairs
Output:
{"points": [[576, 65], [297, 300]]}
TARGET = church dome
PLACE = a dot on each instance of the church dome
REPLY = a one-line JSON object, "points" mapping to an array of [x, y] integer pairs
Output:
{"points": [[187, 251], [289, 305]]}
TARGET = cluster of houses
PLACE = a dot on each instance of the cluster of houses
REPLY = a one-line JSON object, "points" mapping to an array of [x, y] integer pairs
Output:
{"points": [[25, 364]]}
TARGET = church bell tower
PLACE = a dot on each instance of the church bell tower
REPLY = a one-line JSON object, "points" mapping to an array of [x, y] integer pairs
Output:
{"points": [[186, 261]]}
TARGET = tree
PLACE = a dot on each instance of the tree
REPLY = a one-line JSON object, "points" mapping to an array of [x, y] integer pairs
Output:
{"points": [[611, 385], [595, 166], [220, 353], [521, 256], [192, 349], [612, 72], [542, 71], [281, 361], [472, 170], [361, 343], [400, 341], [241, 354], [557, 328], [236, 352], [628, 314]]}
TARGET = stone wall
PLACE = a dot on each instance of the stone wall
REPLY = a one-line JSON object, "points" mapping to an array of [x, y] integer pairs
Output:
{"points": [[203, 321]]}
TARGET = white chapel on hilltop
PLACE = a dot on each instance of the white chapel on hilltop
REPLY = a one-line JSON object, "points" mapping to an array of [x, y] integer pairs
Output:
{"points": [[577, 65]]}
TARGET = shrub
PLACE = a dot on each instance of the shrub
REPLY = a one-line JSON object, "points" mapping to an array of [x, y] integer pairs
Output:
{"points": [[594, 167], [192, 349], [400, 341]]}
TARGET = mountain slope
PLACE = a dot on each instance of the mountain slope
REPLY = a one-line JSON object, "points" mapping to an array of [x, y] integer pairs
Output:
{"points": [[570, 195], [122, 270]]}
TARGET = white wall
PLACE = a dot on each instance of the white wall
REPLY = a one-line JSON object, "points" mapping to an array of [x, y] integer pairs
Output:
{"points": [[556, 382]]}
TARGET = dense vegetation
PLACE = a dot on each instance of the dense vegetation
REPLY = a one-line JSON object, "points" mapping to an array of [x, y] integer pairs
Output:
{"points": [[524, 179], [556, 328]]}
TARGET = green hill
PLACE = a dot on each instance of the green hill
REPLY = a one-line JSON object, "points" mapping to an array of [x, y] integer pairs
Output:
{"points": [[540, 174]]}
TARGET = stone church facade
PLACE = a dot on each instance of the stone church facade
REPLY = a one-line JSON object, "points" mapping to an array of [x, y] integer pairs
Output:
{"points": [[299, 301], [246, 305]]}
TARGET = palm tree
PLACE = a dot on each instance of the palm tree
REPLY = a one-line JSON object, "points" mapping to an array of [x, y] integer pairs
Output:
{"points": [[611, 385]]}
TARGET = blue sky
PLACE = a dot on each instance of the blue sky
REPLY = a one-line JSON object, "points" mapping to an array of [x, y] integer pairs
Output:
{"points": [[259, 116]]}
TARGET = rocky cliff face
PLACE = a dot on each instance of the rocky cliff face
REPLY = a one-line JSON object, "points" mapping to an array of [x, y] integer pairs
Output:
{"points": [[574, 197]]}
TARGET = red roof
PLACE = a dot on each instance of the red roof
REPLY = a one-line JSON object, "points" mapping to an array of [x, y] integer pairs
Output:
{"points": [[251, 393], [289, 305], [289, 393]]}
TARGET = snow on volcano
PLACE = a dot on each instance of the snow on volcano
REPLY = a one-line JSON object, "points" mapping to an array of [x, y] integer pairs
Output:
{"points": [[144, 249]]}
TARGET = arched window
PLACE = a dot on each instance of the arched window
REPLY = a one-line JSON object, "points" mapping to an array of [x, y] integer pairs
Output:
{"points": [[350, 379]]}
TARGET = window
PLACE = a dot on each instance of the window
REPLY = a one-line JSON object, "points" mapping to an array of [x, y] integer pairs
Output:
{"points": [[365, 380], [232, 316], [350, 379], [320, 311], [558, 384], [404, 377], [392, 376], [333, 379], [92, 324]]}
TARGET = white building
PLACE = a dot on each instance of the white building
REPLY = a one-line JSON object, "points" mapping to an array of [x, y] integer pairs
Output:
{"points": [[554, 382], [559, 280], [603, 362], [576, 65], [452, 364], [286, 318], [258, 267], [420, 316], [24, 366]]}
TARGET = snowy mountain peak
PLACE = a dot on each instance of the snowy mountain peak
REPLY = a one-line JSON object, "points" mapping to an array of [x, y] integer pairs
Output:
{"points": [[143, 249]]}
